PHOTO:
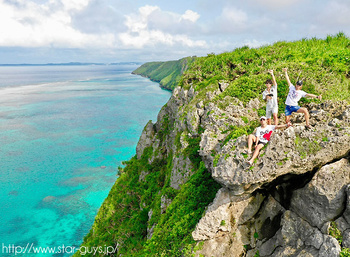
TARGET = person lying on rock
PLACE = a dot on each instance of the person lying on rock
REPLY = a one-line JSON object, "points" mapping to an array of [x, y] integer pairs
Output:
{"points": [[294, 95], [261, 137], [270, 96]]}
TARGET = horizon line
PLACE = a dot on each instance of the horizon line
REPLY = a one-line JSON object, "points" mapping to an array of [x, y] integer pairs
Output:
{"points": [[68, 63]]}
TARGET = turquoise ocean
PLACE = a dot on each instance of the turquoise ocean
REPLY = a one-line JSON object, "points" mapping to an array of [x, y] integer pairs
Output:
{"points": [[64, 130]]}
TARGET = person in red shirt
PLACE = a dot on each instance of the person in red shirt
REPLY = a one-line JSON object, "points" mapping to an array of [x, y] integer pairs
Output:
{"points": [[261, 137]]}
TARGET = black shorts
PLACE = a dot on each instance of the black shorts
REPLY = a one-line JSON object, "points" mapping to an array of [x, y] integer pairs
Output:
{"points": [[262, 143]]}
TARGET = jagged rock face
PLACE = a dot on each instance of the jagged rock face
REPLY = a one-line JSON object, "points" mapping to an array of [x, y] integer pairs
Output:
{"points": [[323, 199], [145, 139], [277, 225], [283, 205], [292, 151], [302, 185]]}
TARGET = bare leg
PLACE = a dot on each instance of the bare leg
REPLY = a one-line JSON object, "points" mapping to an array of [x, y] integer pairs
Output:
{"points": [[306, 114], [287, 119], [269, 121], [256, 152], [251, 140], [275, 118]]}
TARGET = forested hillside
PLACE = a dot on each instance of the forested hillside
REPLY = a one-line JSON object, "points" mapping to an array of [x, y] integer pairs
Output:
{"points": [[167, 74]]}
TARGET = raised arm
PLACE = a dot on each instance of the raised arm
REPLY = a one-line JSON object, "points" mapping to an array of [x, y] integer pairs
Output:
{"points": [[287, 77], [273, 77], [314, 96]]}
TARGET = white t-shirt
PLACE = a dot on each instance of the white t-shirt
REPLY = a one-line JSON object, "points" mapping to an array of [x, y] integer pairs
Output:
{"points": [[271, 102], [260, 132], [294, 96]]}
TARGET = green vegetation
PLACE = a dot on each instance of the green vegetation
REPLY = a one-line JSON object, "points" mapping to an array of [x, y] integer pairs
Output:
{"points": [[306, 147], [345, 252], [123, 218], [335, 232], [321, 63], [133, 206], [216, 160], [236, 132], [168, 74]]}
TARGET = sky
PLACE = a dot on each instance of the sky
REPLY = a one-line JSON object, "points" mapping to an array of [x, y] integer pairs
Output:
{"points": [[56, 31]]}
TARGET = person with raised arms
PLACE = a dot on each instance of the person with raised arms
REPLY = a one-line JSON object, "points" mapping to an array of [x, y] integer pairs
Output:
{"points": [[294, 95], [270, 96]]}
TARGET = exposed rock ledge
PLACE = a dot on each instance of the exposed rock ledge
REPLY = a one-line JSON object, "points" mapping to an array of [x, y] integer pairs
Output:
{"points": [[285, 203], [280, 221], [292, 151]]}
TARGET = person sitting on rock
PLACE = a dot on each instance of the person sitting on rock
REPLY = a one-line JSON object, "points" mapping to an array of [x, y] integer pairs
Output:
{"points": [[261, 137], [270, 96], [294, 95]]}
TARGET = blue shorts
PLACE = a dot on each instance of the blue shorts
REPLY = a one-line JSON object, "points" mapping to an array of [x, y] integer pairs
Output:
{"points": [[290, 109]]}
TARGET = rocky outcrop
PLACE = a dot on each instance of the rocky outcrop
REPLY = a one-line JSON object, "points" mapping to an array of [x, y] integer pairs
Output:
{"points": [[145, 139], [284, 203], [267, 223], [293, 151], [290, 196]]}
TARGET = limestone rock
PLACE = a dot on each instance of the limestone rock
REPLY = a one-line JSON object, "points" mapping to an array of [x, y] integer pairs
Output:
{"points": [[223, 85], [223, 222], [145, 139], [330, 247], [181, 171], [225, 213], [260, 208], [295, 229], [293, 151], [164, 203], [323, 199]]}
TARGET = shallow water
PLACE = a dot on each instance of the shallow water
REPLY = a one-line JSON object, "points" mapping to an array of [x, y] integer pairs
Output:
{"points": [[63, 134]]}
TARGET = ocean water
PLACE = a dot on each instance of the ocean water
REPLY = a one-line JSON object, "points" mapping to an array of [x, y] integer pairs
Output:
{"points": [[64, 130]]}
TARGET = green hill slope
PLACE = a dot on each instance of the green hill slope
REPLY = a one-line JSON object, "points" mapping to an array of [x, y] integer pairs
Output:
{"points": [[167, 74], [324, 65], [144, 213]]}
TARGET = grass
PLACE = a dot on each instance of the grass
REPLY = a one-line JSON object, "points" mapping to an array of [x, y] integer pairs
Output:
{"points": [[323, 63], [335, 232], [168, 74], [306, 147], [123, 217]]}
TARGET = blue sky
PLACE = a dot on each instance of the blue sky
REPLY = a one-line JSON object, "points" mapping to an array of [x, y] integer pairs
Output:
{"points": [[42, 31]]}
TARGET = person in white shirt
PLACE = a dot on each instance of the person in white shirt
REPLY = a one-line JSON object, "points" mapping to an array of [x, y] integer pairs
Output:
{"points": [[270, 96], [261, 137], [294, 95]]}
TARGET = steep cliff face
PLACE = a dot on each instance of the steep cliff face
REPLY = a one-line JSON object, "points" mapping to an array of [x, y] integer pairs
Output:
{"points": [[188, 192], [167, 74], [285, 203]]}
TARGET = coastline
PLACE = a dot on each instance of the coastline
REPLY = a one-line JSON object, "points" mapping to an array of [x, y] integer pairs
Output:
{"points": [[153, 80]]}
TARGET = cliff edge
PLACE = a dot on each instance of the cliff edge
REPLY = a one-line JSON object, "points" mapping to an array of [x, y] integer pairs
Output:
{"points": [[187, 192]]}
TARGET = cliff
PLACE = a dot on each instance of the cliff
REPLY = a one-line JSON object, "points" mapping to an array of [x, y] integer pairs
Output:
{"points": [[187, 191], [167, 74]]}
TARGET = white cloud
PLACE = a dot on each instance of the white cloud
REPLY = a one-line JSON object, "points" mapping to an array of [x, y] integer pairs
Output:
{"points": [[29, 24], [234, 16], [151, 26], [137, 29], [190, 15], [230, 21], [75, 4], [276, 4]]}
